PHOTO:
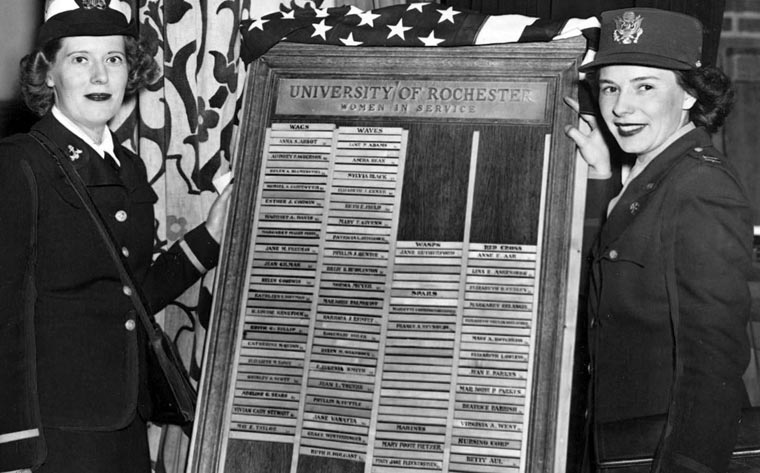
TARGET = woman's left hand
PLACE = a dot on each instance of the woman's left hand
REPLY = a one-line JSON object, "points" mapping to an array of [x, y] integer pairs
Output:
{"points": [[217, 215]]}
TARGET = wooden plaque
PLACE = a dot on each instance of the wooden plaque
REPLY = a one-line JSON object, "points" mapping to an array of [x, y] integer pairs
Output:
{"points": [[399, 279]]}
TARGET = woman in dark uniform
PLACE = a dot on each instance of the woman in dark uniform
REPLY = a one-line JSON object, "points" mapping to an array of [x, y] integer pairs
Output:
{"points": [[669, 299], [72, 388]]}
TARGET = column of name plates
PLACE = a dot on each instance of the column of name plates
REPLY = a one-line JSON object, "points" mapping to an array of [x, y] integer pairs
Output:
{"points": [[282, 284], [352, 295], [419, 357], [490, 417]]}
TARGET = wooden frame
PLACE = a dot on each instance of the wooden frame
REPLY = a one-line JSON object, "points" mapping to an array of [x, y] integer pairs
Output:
{"points": [[550, 183]]}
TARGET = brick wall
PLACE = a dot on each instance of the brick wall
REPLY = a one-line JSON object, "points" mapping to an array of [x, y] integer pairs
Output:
{"points": [[741, 19], [740, 40]]}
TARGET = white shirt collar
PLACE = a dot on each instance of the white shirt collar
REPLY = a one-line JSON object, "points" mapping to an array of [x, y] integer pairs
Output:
{"points": [[106, 146]]}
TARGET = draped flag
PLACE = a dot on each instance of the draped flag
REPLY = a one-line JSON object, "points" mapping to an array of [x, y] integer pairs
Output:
{"points": [[406, 25]]}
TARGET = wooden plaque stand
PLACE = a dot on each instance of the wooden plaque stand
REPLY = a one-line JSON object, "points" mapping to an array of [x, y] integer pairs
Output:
{"points": [[398, 286]]}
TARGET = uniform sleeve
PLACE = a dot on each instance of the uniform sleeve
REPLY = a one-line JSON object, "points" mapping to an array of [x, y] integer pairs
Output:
{"points": [[21, 444], [180, 267], [599, 192], [712, 265]]}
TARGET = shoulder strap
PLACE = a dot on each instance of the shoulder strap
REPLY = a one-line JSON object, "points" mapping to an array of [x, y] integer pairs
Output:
{"points": [[132, 289]]}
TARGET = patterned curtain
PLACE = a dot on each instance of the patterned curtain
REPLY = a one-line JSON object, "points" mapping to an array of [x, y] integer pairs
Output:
{"points": [[186, 130], [186, 133]]}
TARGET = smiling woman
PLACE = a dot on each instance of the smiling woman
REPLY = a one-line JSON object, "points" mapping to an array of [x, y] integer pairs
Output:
{"points": [[668, 292], [74, 391]]}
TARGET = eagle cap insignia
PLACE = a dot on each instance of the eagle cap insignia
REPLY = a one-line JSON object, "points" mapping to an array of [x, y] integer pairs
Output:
{"points": [[90, 4], [628, 28]]}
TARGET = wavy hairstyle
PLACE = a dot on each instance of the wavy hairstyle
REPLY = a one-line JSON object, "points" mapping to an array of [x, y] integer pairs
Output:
{"points": [[714, 93], [35, 66]]}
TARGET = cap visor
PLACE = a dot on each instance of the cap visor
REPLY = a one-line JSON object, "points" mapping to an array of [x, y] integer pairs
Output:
{"points": [[636, 59]]}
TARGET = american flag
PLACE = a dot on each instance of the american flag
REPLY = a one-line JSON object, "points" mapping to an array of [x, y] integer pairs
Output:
{"points": [[407, 25]]}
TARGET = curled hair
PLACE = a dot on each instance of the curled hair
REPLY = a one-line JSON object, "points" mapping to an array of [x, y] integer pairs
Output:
{"points": [[714, 93], [35, 66]]}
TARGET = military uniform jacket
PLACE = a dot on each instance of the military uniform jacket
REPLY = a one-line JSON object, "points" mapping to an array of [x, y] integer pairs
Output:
{"points": [[71, 344], [669, 303]]}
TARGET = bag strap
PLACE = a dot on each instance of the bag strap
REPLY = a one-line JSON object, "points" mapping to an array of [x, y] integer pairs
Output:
{"points": [[133, 290]]}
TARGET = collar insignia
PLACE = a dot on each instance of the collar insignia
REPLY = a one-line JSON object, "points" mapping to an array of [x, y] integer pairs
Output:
{"points": [[90, 4], [74, 153], [627, 28]]}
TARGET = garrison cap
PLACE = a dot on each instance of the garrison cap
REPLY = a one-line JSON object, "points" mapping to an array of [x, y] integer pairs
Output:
{"points": [[648, 37], [86, 18]]}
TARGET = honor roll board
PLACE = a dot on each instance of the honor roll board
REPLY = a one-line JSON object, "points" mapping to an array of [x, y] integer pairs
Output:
{"points": [[398, 285]]}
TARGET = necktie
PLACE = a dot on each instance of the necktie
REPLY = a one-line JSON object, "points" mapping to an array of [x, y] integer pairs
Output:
{"points": [[111, 161]]}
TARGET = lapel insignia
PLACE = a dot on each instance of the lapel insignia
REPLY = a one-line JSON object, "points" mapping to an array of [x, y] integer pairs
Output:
{"points": [[634, 208], [74, 153], [627, 28]]}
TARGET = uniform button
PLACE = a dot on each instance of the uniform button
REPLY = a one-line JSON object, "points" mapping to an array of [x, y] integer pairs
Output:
{"points": [[698, 149], [590, 368], [593, 322], [634, 208], [127, 290], [613, 254], [129, 325], [650, 186], [125, 251], [121, 216]]}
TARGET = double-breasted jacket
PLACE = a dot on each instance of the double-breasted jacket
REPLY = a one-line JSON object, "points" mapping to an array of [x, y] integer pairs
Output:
{"points": [[71, 346]]}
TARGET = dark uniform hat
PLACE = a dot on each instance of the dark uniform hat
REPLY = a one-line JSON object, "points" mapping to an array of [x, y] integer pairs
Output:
{"points": [[86, 18], [648, 37]]}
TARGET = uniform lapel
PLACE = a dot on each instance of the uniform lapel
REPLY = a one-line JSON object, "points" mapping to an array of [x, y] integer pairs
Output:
{"points": [[637, 195], [93, 170]]}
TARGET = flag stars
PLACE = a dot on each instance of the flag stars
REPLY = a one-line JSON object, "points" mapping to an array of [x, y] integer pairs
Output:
{"points": [[417, 6], [354, 10], [431, 40], [258, 23], [368, 18], [320, 29], [448, 15], [398, 30], [350, 41], [288, 15], [321, 12]]}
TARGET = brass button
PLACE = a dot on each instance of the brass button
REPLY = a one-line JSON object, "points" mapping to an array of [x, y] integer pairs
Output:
{"points": [[127, 290], [125, 251], [121, 216], [650, 186], [613, 254], [698, 149], [129, 325], [634, 208]]}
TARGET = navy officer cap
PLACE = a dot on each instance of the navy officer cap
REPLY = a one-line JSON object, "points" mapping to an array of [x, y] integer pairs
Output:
{"points": [[86, 18], [648, 37]]}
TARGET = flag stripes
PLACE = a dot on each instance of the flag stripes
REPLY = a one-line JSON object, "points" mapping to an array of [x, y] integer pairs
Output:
{"points": [[418, 24]]}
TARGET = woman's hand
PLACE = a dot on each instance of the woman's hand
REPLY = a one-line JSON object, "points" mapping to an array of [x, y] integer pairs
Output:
{"points": [[590, 142], [217, 215]]}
